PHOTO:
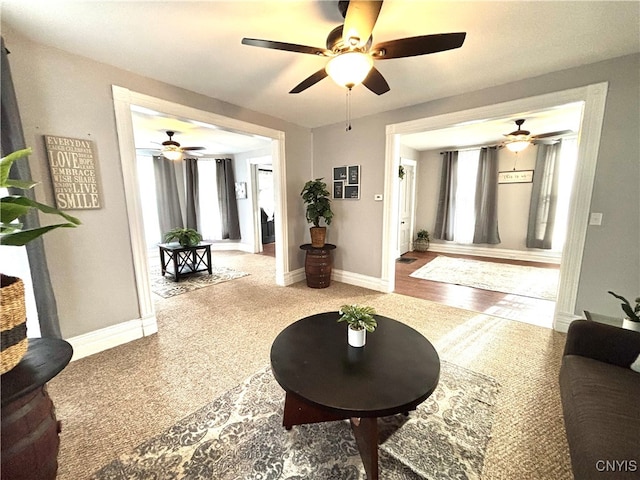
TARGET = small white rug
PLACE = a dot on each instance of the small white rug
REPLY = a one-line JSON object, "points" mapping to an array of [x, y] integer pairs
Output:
{"points": [[167, 287], [533, 282]]}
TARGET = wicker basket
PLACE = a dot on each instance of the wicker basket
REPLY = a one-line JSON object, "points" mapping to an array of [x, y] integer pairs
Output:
{"points": [[13, 322]]}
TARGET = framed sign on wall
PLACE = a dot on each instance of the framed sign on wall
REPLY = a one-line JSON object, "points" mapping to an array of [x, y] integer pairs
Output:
{"points": [[516, 176], [346, 182], [74, 172]]}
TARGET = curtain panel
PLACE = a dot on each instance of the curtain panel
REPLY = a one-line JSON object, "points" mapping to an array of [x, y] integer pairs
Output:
{"points": [[544, 197], [12, 140], [227, 199], [447, 198], [486, 200], [169, 211], [192, 193]]}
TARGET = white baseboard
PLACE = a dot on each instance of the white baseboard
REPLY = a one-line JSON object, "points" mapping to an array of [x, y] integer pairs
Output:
{"points": [[525, 255], [294, 277], [243, 247], [562, 321], [112, 336], [372, 283]]}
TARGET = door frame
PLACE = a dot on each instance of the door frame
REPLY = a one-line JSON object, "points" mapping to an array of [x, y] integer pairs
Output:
{"points": [[594, 100], [123, 98], [412, 215]]}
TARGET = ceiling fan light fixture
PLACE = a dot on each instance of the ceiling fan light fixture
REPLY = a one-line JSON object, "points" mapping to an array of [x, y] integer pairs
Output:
{"points": [[350, 68], [518, 144], [171, 152]]}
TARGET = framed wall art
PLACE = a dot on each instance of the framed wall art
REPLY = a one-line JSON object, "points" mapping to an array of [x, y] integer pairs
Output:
{"points": [[346, 182]]}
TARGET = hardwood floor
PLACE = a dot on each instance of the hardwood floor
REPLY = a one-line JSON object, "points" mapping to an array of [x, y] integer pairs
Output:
{"points": [[515, 307]]}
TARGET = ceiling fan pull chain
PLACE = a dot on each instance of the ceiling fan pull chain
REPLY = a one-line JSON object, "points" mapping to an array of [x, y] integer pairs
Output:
{"points": [[348, 122]]}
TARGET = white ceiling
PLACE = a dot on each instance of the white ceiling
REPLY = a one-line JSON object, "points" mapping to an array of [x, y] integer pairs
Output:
{"points": [[196, 45]]}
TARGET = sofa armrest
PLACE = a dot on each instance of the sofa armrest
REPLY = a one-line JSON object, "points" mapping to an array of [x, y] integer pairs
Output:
{"points": [[602, 342]]}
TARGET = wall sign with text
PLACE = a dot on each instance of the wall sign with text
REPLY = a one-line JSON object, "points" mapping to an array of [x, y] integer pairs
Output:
{"points": [[73, 165], [346, 182], [516, 176]]}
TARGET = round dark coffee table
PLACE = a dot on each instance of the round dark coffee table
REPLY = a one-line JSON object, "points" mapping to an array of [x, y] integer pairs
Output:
{"points": [[325, 379]]}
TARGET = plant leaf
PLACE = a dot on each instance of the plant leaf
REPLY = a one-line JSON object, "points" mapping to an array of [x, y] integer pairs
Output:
{"points": [[21, 184], [6, 162], [27, 202], [25, 236]]}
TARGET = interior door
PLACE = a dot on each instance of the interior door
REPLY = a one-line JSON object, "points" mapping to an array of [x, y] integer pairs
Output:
{"points": [[407, 206]]}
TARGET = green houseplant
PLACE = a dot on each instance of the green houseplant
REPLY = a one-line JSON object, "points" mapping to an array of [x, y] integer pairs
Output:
{"points": [[360, 319], [12, 232], [632, 321], [422, 241], [316, 197], [187, 237]]}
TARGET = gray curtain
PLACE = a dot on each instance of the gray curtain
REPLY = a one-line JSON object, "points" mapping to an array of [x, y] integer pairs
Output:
{"points": [[447, 198], [544, 197], [169, 211], [192, 192], [227, 199], [12, 140], [486, 201]]}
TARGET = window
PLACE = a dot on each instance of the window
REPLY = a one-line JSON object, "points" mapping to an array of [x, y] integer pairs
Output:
{"points": [[465, 216]]}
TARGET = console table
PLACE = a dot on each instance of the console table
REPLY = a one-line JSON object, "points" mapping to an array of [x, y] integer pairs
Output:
{"points": [[185, 260], [30, 430]]}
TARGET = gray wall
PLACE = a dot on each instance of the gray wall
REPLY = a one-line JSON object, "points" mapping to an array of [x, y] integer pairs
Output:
{"points": [[68, 95], [612, 251]]}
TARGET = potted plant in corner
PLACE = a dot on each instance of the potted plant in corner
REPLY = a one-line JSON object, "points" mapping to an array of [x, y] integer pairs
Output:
{"points": [[632, 320], [421, 243], [186, 237], [316, 197], [360, 320], [12, 207]]}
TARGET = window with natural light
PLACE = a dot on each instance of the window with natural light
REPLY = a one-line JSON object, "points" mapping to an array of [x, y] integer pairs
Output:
{"points": [[465, 216]]}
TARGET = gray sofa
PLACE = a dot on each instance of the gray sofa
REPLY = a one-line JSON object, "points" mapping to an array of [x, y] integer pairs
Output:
{"points": [[601, 401]]}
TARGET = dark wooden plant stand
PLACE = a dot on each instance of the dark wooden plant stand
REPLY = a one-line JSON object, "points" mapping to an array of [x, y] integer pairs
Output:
{"points": [[317, 265], [30, 430]]}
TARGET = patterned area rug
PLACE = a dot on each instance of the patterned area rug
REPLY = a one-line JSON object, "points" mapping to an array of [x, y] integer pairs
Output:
{"points": [[240, 436], [533, 282], [166, 287]]}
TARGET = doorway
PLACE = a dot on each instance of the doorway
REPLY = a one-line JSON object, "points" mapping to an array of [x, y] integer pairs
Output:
{"points": [[123, 100], [594, 97]]}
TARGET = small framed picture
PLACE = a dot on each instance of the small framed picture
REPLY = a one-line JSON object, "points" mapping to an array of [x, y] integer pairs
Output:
{"points": [[338, 189], [241, 189], [354, 174], [339, 173], [352, 192]]}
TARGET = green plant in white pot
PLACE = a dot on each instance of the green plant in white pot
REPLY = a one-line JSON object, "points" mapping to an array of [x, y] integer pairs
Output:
{"points": [[360, 320], [632, 320], [12, 232], [186, 237]]}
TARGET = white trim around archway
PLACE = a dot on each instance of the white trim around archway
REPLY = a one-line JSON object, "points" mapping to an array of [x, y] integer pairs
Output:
{"points": [[594, 97], [123, 98]]}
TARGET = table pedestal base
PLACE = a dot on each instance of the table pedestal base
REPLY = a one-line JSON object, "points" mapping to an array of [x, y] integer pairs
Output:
{"points": [[365, 430]]}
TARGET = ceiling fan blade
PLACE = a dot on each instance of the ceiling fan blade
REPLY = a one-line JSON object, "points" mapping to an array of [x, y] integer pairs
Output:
{"points": [[289, 47], [422, 45], [359, 21], [147, 151], [184, 149], [376, 82], [552, 134], [309, 81]]}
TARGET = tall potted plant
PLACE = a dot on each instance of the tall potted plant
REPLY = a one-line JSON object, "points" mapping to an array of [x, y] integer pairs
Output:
{"points": [[12, 207], [316, 197]]}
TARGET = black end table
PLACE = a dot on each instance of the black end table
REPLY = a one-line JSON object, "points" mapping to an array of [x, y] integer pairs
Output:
{"points": [[185, 260], [325, 379]]}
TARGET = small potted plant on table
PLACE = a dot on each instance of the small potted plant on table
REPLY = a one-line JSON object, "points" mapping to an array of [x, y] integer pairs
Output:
{"points": [[360, 320], [632, 321], [187, 237]]}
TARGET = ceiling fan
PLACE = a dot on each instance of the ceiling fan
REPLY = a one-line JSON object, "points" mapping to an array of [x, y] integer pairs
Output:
{"points": [[171, 149], [520, 139], [350, 51]]}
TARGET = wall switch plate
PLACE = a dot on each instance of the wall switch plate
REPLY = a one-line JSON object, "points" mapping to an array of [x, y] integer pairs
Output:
{"points": [[595, 219], [377, 197]]}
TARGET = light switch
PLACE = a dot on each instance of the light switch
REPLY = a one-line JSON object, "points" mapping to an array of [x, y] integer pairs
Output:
{"points": [[595, 219]]}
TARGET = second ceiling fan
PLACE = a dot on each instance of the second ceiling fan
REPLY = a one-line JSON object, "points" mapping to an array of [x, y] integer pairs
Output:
{"points": [[350, 51]]}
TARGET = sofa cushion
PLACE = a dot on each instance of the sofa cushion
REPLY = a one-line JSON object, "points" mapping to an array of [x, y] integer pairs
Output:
{"points": [[602, 418]]}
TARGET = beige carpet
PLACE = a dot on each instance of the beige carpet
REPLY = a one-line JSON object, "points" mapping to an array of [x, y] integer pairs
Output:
{"points": [[207, 344]]}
